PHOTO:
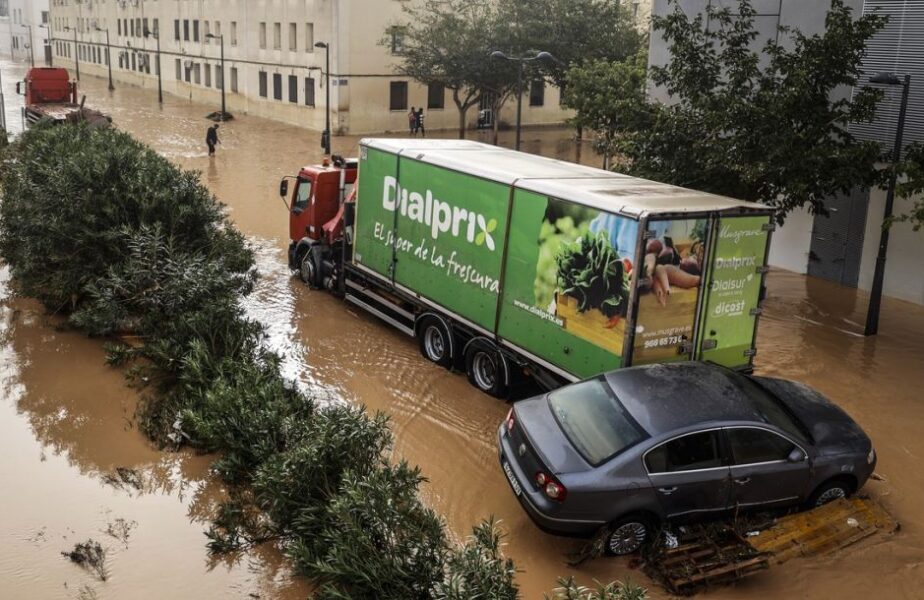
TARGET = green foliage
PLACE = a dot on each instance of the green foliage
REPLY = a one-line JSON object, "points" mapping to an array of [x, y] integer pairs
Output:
{"points": [[380, 542], [449, 42], [98, 226], [610, 98], [911, 170], [616, 590], [773, 130], [479, 570], [74, 196], [590, 271]]}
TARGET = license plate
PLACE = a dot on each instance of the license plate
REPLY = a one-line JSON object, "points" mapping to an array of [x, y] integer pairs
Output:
{"points": [[512, 479]]}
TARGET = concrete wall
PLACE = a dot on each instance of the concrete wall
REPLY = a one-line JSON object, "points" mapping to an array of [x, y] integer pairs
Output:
{"points": [[790, 244], [362, 67], [904, 272]]}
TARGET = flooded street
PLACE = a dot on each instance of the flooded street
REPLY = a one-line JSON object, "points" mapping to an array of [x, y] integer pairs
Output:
{"points": [[66, 419]]}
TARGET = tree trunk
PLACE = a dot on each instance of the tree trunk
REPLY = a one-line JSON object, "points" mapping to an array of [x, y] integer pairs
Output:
{"points": [[462, 112]]}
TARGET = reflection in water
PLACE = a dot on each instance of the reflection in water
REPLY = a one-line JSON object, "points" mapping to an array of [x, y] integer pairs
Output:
{"points": [[61, 403]]}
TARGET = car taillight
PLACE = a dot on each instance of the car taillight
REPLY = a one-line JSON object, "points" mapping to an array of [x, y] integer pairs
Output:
{"points": [[550, 487], [510, 420]]}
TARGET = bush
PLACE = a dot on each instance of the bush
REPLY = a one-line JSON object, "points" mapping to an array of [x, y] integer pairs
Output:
{"points": [[105, 231], [616, 590]]}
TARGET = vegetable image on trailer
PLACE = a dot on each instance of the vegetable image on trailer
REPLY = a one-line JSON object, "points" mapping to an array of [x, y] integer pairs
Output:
{"points": [[509, 266]]}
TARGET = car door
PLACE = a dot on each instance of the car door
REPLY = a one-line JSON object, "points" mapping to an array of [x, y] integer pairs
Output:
{"points": [[767, 468], [690, 474]]}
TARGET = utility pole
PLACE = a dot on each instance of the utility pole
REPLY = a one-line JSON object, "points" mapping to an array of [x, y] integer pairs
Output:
{"points": [[325, 137], [108, 55]]}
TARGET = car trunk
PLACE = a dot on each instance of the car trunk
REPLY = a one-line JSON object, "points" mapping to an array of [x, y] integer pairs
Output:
{"points": [[533, 420]]}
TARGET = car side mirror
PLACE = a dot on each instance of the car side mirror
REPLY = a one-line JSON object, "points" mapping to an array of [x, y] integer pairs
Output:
{"points": [[19, 88], [284, 188], [796, 456]]}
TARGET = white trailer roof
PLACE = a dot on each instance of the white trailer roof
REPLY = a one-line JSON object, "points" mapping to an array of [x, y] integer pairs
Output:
{"points": [[603, 190]]}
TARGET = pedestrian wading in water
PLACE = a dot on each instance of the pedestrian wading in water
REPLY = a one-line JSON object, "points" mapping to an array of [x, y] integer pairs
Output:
{"points": [[211, 139]]}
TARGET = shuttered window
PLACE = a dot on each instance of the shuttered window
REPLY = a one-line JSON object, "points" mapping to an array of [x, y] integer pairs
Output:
{"points": [[898, 48]]}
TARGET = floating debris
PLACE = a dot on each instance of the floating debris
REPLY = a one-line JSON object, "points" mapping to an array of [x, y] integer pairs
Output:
{"points": [[91, 556], [120, 529]]}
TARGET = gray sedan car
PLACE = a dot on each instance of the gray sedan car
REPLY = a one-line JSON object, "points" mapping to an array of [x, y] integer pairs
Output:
{"points": [[636, 447]]}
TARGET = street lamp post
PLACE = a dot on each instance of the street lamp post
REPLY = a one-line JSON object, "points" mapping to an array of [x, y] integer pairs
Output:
{"points": [[31, 47], [160, 87], [875, 296], [108, 55], [325, 138], [76, 51], [221, 39], [497, 54]]}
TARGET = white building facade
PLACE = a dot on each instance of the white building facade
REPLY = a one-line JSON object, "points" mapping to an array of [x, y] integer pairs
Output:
{"points": [[272, 66], [24, 32]]}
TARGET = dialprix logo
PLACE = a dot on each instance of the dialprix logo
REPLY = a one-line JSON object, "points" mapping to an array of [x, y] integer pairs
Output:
{"points": [[441, 217]]}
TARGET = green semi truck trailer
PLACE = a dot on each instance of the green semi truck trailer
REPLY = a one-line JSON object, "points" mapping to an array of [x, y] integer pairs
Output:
{"points": [[511, 266]]}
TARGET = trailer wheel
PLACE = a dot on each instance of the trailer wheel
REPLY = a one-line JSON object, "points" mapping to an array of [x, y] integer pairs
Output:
{"points": [[310, 269], [435, 341], [486, 367]]}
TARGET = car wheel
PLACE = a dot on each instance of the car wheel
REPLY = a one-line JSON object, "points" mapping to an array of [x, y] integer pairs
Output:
{"points": [[435, 342], [627, 535], [829, 492]]}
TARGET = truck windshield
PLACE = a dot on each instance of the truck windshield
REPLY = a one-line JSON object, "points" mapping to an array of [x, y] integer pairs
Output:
{"points": [[594, 420], [303, 195]]}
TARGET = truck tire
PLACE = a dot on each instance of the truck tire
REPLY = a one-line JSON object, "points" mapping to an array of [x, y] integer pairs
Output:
{"points": [[311, 269], [486, 367], [435, 340]]}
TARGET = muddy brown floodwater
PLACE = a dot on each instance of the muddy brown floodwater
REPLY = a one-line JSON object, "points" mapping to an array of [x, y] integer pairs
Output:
{"points": [[67, 419]]}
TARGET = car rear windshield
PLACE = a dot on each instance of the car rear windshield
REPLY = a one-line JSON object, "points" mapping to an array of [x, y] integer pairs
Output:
{"points": [[772, 411], [594, 420]]}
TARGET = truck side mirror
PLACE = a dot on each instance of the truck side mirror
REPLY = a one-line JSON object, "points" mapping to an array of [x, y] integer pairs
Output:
{"points": [[284, 188], [19, 88]]}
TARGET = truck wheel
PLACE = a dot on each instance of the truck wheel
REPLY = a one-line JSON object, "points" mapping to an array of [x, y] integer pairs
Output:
{"points": [[435, 341], [486, 368], [311, 270]]}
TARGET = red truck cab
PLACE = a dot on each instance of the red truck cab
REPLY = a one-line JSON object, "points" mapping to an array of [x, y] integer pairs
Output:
{"points": [[316, 205], [49, 85]]}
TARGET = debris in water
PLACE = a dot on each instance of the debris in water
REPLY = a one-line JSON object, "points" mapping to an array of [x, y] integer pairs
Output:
{"points": [[124, 477], [878, 477], [91, 556], [120, 529], [86, 593]]}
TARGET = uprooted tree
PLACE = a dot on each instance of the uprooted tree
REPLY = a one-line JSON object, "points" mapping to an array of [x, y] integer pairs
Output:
{"points": [[759, 120]]}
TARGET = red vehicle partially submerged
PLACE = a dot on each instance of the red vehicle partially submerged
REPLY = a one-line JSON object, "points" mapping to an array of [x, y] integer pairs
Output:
{"points": [[50, 94]]}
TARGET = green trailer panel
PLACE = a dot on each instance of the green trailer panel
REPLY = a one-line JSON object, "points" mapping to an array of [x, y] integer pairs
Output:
{"points": [[435, 231], [564, 324]]}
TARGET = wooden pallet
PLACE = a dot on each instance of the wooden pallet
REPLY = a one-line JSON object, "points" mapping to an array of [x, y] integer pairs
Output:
{"points": [[706, 558], [824, 530]]}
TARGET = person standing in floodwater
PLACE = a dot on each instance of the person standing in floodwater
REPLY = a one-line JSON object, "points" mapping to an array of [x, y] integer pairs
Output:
{"points": [[211, 138], [412, 122], [420, 122]]}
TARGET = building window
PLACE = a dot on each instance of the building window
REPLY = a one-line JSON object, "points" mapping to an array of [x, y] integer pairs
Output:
{"points": [[234, 33], [156, 28], [138, 30], [188, 73], [176, 29], [195, 31], [398, 96], [537, 93], [293, 89], [206, 31], [263, 35], [277, 86], [197, 73], [309, 37], [309, 91], [217, 28], [397, 40], [132, 23], [186, 30], [179, 70], [436, 96], [208, 75], [119, 26], [263, 84], [293, 37], [45, 17], [234, 79], [219, 78], [277, 36]]}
